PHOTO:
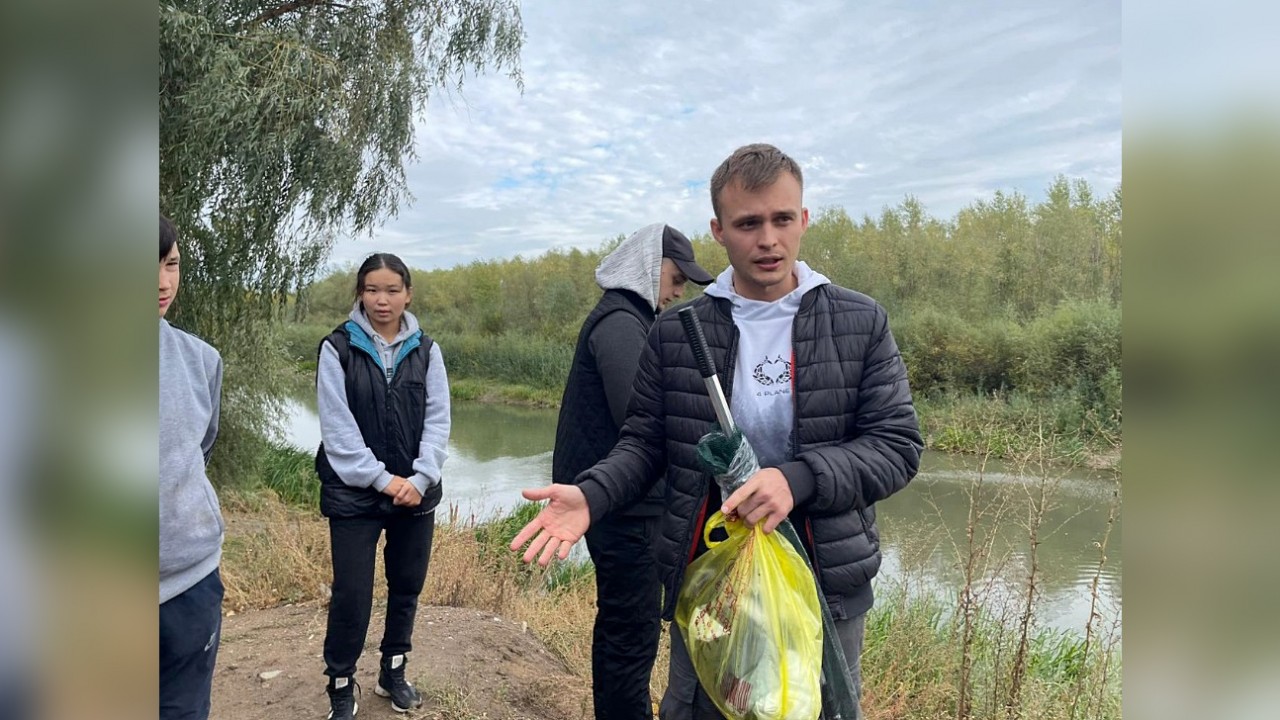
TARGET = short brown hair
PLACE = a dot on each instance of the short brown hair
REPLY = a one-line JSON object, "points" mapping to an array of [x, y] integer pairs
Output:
{"points": [[754, 166]]}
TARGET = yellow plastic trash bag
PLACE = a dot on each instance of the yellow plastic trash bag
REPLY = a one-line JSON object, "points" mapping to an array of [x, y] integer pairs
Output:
{"points": [[748, 612]]}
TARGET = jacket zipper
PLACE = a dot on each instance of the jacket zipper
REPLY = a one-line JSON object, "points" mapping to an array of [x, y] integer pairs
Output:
{"points": [[795, 449], [730, 361], [817, 566]]}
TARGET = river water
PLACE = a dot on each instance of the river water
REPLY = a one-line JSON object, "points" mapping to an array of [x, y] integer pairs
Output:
{"points": [[495, 451]]}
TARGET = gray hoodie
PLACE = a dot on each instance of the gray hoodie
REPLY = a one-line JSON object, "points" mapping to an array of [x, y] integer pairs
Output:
{"points": [[618, 339], [191, 526], [761, 403], [21, 412], [345, 447], [635, 265]]}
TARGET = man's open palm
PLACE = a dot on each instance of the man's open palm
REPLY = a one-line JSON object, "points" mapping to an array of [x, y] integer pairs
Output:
{"points": [[560, 524]]}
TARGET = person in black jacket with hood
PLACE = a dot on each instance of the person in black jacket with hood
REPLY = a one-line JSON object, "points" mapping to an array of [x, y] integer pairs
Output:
{"points": [[640, 278], [815, 382]]}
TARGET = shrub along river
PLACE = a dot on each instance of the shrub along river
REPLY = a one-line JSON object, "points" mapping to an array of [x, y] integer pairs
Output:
{"points": [[497, 450]]}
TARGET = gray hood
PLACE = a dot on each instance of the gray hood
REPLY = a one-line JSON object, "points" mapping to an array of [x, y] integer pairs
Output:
{"points": [[806, 279], [635, 265], [408, 324]]}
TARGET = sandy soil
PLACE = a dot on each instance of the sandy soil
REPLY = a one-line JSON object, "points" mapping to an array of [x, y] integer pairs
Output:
{"points": [[468, 664]]}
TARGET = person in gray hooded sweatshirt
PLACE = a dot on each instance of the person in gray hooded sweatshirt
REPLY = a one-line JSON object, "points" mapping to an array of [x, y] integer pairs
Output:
{"points": [[191, 526], [641, 277], [383, 400]]}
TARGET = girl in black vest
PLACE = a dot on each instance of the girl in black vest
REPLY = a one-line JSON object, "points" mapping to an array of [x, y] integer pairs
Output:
{"points": [[383, 400]]}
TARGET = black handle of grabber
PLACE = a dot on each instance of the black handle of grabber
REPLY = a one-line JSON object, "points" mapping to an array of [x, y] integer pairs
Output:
{"points": [[697, 341], [707, 367]]}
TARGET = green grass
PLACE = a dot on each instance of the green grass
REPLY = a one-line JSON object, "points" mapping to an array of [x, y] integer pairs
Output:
{"points": [[511, 358], [494, 535], [492, 391], [912, 650], [911, 664], [301, 341], [1061, 427], [291, 474], [449, 703], [995, 387], [494, 538]]}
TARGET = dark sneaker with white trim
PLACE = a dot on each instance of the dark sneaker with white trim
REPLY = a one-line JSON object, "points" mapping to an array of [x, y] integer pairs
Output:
{"points": [[391, 684], [342, 698]]}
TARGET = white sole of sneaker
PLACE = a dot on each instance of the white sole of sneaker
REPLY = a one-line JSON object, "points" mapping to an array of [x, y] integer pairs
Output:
{"points": [[380, 692]]}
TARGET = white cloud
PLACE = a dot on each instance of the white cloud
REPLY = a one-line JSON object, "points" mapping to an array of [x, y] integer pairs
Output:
{"points": [[626, 113]]}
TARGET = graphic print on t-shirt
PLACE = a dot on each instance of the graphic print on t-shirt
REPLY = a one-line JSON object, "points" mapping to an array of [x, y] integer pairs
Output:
{"points": [[764, 413], [773, 372], [771, 376]]}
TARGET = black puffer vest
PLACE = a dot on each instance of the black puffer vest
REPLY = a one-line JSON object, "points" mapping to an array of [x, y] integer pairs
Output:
{"points": [[856, 437], [390, 417], [586, 431]]}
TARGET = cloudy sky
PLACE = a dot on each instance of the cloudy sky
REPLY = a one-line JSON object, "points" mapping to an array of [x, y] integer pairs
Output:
{"points": [[629, 107]]}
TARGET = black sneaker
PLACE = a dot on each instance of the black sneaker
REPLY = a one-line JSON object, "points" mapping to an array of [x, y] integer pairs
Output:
{"points": [[342, 698], [391, 684]]}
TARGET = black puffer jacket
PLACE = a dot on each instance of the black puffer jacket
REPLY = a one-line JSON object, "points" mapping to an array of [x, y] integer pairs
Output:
{"points": [[390, 417], [857, 439]]}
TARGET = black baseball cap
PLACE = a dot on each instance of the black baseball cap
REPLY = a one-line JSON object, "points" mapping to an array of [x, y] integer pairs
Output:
{"points": [[677, 247]]}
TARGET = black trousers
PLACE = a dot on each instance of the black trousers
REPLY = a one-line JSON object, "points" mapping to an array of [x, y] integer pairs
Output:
{"points": [[190, 628], [354, 543], [624, 642]]}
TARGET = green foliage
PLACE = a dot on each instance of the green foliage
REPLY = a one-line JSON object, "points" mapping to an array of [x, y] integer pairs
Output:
{"points": [[546, 298], [944, 352], [495, 537], [1016, 425], [291, 473], [531, 360], [1073, 346], [482, 390], [307, 108], [913, 647], [300, 342], [328, 300], [997, 258], [1007, 315], [1077, 346], [241, 448], [998, 264], [569, 574], [281, 125], [287, 472], [1002, 386], [1057, 656]]}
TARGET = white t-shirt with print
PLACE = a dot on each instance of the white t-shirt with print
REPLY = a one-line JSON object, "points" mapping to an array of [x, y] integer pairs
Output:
{"points": [[761, 395]]}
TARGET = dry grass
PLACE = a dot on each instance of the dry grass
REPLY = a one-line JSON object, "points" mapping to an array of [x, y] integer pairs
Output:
{"points": [[912, 662], [277, 554], [273, 553]]}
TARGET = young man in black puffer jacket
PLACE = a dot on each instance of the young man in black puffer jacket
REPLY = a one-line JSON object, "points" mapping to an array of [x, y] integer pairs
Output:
{"points": [[815, 382]]}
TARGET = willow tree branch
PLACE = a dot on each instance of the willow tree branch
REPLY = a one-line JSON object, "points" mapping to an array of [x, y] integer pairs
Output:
{"points": [[289, 7]]}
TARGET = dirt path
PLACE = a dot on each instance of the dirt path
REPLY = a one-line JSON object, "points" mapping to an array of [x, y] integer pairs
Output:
{"points": [[469, 665]]}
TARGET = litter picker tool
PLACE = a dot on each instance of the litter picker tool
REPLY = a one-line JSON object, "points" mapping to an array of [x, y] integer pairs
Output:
{"points": [[706, 367]]}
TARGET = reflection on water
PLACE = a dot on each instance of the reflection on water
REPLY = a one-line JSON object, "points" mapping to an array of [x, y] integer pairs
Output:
{"points": [[925, 531], [496, 451]]}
